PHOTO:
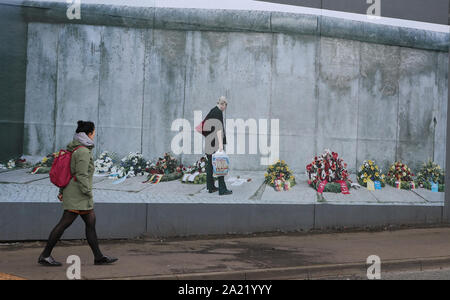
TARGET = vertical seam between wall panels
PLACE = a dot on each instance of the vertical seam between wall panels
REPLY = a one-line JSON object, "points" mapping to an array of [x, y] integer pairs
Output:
{"points": [[55, 105], [145, 35], [397, 133], [100, 65], [186, 62], [357, 109], [271, 77], [317, 78]]}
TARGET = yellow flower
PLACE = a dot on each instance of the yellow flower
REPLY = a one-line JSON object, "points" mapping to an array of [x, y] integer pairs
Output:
{"points": [[376, 174], [266, 175], [365, 174], [370, 162], [365, 180], [283, 162], [44, 160], [372, 168]]}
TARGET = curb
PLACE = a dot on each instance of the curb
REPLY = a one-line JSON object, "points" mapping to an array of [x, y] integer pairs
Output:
{"points": [[303, 272]]}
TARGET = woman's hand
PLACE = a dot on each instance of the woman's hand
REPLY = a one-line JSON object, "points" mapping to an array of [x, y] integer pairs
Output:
{"points": [[60, 197]]}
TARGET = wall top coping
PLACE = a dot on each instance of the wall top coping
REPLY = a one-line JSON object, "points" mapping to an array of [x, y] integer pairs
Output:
{"points": [[268, 18]]}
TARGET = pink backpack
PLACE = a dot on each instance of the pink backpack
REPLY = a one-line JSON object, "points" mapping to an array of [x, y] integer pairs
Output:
{"points": [[60, 174]]}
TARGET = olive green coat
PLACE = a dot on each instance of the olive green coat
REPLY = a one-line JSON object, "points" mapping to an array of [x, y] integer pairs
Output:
{"points": [[77, 195]]}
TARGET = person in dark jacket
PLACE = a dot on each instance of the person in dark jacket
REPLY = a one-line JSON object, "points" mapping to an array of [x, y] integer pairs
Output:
{"points": [[77, 197], [214, 123]]}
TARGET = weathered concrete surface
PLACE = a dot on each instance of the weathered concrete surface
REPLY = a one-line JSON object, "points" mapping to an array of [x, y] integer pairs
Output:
{"points": [[338, 98], [362, 100], [120, 99], [329, 215], [42, 75], [378, 104], [78, 79], [237, 20], [34, 221], [165, 68], [293, 98], [183, 219], [417, 84]]}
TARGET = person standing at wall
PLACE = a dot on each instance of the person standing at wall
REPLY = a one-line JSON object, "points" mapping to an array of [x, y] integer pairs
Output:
{"points": [[77, 198], [214, 123]]}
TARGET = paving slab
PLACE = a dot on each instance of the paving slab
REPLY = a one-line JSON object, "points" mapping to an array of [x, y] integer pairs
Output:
{"points": [[46, 181], [388, 194], [20, 176], [356, 196], [241, 194], [301, 193], [133, 184], [434, 197], [175, 188]]}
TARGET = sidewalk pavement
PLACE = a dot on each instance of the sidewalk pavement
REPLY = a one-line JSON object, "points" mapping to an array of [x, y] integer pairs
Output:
{"points": [[265, 256]]}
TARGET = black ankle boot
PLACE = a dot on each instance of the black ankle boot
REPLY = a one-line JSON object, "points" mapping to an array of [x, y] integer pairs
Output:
{"points": [[48, 261], [105, 260]]}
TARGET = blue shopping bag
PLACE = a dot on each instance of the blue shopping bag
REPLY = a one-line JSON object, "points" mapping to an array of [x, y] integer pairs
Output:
{"points": [[220, 163]]}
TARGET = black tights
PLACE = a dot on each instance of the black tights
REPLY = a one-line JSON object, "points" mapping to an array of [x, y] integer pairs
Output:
{"points": [[67, 220]]}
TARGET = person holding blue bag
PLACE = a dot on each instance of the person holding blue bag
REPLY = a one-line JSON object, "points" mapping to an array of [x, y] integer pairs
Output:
{"points": [[213, 123]]}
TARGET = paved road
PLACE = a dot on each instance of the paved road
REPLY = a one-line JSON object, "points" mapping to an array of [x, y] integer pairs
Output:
{"points": [[299, 256], [434, 274]]}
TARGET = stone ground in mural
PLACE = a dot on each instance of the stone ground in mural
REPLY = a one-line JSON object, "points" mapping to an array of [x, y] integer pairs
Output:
{"points": [[21, 186]]}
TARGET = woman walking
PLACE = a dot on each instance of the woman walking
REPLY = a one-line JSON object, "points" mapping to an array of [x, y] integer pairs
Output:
{"points": [[77, 196]]}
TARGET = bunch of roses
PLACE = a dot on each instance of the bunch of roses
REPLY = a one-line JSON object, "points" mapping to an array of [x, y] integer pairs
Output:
{"points": [[369, 170], [401, 174], [279, 171], [199, 166], [430, 172], [131, 165], [165, 165], [327, 166], [105, 162]]}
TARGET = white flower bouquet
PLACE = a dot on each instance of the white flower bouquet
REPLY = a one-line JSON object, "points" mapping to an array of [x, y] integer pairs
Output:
{"points": [[105, 162], [131, 165]]}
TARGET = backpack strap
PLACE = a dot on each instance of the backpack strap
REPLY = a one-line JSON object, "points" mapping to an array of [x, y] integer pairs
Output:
{"points": [[78, 148]]}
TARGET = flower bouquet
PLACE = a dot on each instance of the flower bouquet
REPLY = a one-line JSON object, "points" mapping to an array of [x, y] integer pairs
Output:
{"points": [[45, 164], [328, 173], [196, 173], [429, 173], [105, 162], [168, 166], [400, 176], [370, 171], [279, 176], [131, 165], [18, 163]]}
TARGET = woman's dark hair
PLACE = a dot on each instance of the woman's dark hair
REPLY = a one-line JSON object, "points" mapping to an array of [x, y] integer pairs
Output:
{"points": [[86, 127]]}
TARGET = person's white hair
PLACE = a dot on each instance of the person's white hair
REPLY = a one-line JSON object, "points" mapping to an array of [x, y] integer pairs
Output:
{"points": [[222, 100]]}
